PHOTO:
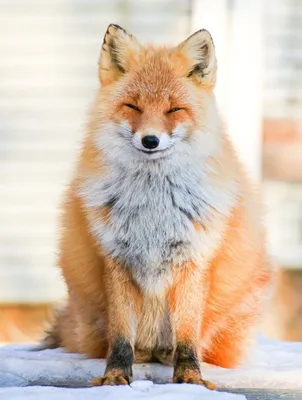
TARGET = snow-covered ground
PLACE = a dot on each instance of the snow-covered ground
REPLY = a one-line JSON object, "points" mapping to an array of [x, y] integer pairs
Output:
{"points": [[53, 374]]}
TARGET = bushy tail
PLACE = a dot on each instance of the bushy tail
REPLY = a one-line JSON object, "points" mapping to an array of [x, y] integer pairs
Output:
{"points": [[52, 336]]}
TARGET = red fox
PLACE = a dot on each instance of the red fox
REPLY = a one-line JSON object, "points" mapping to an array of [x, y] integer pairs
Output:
{"points": [[162, 245]]}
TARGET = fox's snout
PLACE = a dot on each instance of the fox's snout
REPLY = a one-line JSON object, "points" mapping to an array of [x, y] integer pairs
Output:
{"points": [[152, 141]]}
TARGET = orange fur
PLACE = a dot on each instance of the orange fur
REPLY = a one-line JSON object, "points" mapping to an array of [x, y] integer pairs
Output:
{"points": [[213, 306]]}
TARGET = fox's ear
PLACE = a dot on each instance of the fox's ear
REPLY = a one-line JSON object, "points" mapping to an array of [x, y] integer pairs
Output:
{"points": [[198, 58], [119, 51]]}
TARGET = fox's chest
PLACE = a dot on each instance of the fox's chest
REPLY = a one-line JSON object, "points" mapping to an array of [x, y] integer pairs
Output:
{"points": [[151, 219]]}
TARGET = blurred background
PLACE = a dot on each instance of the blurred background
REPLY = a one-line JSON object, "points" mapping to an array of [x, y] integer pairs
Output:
{"points": [[48, 78]]}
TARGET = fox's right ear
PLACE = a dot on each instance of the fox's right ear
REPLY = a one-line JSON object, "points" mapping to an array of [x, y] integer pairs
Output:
{"points": [[119, 51]]}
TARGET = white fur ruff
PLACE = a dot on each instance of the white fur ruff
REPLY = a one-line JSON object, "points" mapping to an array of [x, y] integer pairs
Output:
{"points": [[154, 201]]}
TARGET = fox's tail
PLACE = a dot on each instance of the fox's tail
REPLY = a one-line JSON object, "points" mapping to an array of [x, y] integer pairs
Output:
{"points": [[52, 336]]}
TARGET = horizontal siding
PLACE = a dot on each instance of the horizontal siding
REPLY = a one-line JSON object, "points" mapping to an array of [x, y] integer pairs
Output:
{"points": [[283, 59], [48, 79], [282, 129]]}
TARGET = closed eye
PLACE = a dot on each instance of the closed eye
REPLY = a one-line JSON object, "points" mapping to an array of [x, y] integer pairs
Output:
{"points": [[133, 107], [175, 109]]}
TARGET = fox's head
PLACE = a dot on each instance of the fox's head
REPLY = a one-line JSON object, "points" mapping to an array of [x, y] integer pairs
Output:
{"points": [[154, 101]]}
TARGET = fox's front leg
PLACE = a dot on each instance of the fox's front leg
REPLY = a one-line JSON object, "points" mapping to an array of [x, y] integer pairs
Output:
{"points": [[122, 307], [186, 303]]}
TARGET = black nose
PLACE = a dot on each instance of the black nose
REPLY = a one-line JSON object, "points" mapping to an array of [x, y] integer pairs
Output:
{"points": [[150, 142]]}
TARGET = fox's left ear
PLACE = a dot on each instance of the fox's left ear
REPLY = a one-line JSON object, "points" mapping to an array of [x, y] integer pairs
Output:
{"points": [[197, 56]]}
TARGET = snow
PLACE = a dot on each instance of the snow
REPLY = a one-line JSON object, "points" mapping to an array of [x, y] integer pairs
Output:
{"points": [[158, 392], [53, 374]]}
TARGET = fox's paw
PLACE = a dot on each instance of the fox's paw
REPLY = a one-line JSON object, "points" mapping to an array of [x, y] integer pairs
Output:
{"points": [[111, 379], [165, 355], [193, 377]]}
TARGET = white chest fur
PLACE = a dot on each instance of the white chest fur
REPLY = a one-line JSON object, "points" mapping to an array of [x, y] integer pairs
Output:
{"points": [[153, 207]]}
